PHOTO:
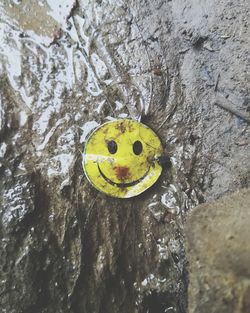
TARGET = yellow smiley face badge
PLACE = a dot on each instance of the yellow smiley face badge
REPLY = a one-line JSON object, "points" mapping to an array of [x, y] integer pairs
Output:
{"points": [[120, 158]]}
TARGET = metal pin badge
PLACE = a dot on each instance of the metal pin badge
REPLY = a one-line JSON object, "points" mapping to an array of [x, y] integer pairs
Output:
{"points": [[121, 158]]}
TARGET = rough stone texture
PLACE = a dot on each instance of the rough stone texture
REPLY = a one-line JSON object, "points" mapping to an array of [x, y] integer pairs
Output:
{"points": [[218, 253], [64, 246]]}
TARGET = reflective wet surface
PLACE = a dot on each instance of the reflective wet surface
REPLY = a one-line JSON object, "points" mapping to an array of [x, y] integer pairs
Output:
{"points": [[67, 67]]}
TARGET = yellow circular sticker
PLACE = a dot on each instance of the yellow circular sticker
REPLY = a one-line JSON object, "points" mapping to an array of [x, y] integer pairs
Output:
{"points": [[120, 158]]}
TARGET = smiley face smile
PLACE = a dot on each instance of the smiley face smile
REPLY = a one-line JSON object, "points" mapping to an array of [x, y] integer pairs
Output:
{"points": [[122, 185]]}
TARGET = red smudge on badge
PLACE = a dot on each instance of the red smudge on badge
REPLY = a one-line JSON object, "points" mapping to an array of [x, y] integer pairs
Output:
{"points": [[122, 172]]}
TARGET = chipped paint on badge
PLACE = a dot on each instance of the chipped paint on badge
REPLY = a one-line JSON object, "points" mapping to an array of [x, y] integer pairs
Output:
{"points": [[120, 158]]}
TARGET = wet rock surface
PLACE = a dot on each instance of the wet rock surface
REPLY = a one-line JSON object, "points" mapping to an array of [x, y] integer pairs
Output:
{"points": [[219, 255], [64, 246]]}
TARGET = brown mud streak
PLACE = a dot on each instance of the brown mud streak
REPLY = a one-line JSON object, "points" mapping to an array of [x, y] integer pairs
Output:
{"points": [[122, 172], [75, 5]]}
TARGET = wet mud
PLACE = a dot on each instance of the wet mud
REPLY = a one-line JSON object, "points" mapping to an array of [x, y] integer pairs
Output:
{"points": [[67, 67]]}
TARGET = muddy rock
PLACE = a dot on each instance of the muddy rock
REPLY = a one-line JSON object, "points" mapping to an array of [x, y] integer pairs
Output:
{"points": [[218, 253]]}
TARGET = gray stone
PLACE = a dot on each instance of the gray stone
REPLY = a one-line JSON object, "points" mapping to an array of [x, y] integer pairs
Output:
{"points": [[218, 253]]}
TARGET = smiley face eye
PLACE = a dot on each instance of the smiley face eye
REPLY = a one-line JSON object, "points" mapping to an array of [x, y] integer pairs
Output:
{"points": [[112, 146], [137, 147]]}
